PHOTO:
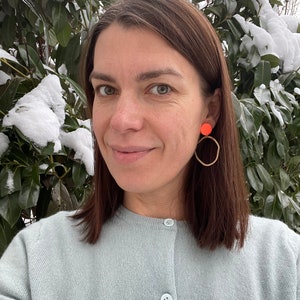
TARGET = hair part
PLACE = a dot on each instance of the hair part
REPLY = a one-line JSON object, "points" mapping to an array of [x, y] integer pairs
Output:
{"points": [[217, 214]]}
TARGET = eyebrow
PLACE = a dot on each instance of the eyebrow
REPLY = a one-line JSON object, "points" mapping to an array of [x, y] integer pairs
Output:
{"points": [[157, 73], [140, 77], [100, 76]]}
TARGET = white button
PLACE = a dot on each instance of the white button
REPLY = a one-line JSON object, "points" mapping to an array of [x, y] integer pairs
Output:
{"points": [[166, 297], [169, 222]]}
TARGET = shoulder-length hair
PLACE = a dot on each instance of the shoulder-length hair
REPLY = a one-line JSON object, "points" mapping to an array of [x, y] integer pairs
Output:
{"points": [[216, 204]]}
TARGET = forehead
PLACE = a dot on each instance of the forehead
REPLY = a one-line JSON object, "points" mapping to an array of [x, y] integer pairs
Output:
{"points": [[134, 47], [118, 37]]}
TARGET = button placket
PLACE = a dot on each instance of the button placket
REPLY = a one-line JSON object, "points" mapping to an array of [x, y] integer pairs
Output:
{"points": [[168, 222]]}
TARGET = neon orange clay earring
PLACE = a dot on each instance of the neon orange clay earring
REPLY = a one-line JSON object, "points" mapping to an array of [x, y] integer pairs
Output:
{"points": [[206, 130]]}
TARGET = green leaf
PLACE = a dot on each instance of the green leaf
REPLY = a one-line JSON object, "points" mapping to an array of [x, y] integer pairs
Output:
{"points": [[251, 61], [271, 208], [275, 2], [52, 38], [6, 235], [281, 150], [283, 198], [253, 179], [276, 113], [77, 88], [8, 30], [43, 203], [30, 16], [263, 95], [295, 205], [285, 180], [294, 162], [79, 174], [29, 194], [62, 28], [230, 6], [48, 150], [262, 74], [246, 120], [272, 59], [256, 112], [265, 177], [219, 11], [61, 197], [9, 209], [264, 134], [63, 34], [10, 181], [274, 161], [31, 58], [276, 89], [235, 28], [8, 95]]}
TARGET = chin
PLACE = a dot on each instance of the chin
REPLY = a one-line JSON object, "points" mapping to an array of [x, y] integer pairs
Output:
{"points": [[134, 186]]}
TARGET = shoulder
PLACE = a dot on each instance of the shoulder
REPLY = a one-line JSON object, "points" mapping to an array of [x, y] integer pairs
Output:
{"points": [[263, 225], [273, 234], [48, 230], [54, 221]]}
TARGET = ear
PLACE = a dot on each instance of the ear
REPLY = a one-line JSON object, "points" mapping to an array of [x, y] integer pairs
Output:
{"points": [[214, 107]]}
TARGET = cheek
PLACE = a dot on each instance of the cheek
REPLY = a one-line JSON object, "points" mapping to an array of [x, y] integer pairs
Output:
{"points": [[182, 133]]}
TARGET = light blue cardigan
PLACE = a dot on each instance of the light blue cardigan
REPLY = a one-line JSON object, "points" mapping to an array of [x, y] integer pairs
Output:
{"points": [[145, 258]]}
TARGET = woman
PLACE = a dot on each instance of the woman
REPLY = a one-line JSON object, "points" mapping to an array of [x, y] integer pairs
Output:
{"points": [[169, 218]]}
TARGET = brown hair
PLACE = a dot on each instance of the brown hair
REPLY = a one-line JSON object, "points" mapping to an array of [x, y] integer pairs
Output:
{"points": [[216, 206]]}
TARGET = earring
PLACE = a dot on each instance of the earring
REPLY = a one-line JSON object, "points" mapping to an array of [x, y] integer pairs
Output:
{"points": [[206, 130]]}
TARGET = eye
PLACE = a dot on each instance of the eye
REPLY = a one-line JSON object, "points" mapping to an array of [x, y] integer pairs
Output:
{"points": [[106, 90], [160, 89]]}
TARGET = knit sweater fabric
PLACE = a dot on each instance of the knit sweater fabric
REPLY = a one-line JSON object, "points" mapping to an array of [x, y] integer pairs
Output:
{"points": [[139, 257]]}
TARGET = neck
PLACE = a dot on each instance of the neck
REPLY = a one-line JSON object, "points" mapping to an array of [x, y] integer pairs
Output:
{"points": [[155, 206]]}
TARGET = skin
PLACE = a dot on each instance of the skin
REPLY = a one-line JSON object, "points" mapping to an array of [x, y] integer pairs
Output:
{"points": [[147, 111]]}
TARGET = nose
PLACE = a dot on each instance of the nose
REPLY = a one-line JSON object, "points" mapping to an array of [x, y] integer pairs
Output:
{"points": [[127, 114]]}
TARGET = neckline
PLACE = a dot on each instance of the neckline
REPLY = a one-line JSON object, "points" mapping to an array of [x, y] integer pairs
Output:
{"points": [[132, 217]]}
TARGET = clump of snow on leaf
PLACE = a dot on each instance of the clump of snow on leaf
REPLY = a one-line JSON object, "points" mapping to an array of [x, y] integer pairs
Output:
{"points": [[40, 114], [81, 142], [277, 35], [6, 55], [10, 182], [3, 77]]}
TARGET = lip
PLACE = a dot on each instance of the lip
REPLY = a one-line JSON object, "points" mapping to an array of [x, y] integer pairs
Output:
{"points": [[129, 154]]}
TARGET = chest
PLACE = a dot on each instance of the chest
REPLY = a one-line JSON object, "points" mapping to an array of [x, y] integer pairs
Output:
{"points": [[133, 264]]}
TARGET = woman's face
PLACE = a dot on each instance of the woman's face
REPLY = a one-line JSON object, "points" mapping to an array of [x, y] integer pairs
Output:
{"points": [[147, 110]]}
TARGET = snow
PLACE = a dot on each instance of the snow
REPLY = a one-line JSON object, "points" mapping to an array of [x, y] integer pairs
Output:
{"points": [[277, 35], [10, 182], [292, 22], [4, 143], [6, 55], [81, 142], [3, 77], [40, 115], [63, 70]]}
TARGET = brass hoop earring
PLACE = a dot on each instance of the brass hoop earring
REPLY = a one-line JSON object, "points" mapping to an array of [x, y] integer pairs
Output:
{"points": [[217, 154]]}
